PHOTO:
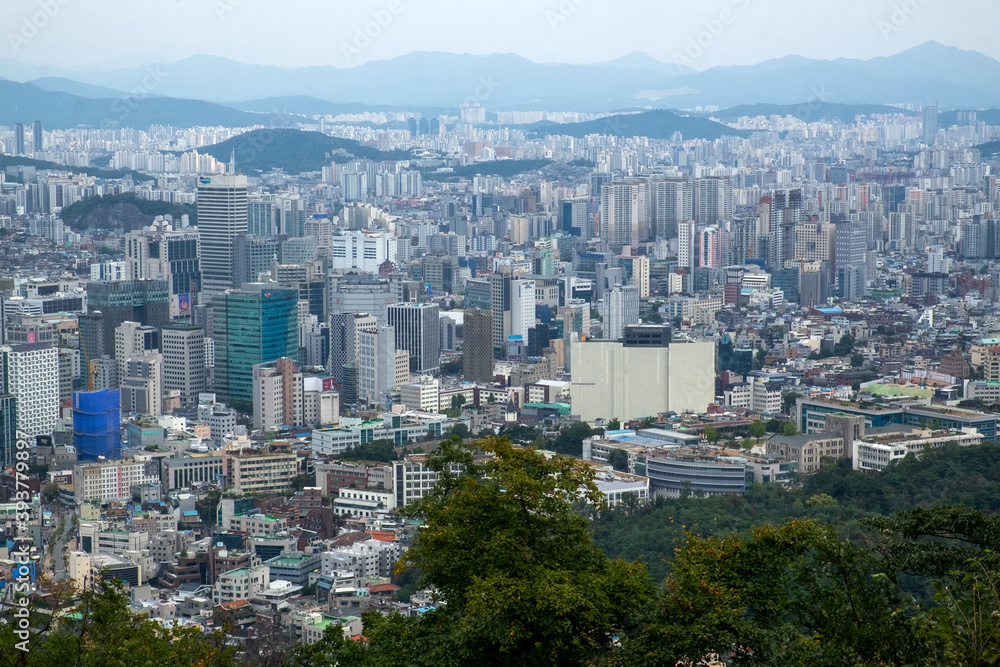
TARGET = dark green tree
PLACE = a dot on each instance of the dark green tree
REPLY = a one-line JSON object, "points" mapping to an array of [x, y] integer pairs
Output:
{"points": [[758, 429], [618, 458]]}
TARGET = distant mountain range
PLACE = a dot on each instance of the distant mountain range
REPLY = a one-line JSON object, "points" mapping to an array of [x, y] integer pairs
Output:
{"points": [[26, 102], [923, 74]]}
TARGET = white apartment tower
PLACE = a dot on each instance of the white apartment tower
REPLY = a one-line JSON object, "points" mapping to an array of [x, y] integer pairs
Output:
{"points": [[30, 373]]}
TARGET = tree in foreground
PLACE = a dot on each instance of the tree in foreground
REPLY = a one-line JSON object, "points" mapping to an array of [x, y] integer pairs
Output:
{"points": [[521, 579]]}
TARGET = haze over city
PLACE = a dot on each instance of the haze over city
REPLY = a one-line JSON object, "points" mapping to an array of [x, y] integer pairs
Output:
{"points": [[438, 333]]}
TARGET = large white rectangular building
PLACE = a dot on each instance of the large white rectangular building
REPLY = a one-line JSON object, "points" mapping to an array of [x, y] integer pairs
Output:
{"points": [[31, 373], [641, 376], [365, 252]]}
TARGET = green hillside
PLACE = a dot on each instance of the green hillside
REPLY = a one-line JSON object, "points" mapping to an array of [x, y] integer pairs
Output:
{"points": [[292, 151], [656, 124]]}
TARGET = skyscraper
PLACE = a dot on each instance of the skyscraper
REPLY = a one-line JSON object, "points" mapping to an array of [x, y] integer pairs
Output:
{"points": [[477, 346], [251, 257], [253, 325], [625, 212], [36, 136], [159, 251], [500, 304], [380, 365], [260, 216], [619, 308], [672, 202], [930, 123], [417, 332], [19, 139], [143, 301], [222, 215], [184, 370]]}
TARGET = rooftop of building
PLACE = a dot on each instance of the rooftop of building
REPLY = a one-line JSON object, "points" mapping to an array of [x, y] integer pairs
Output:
{"points": [[803, 439]]}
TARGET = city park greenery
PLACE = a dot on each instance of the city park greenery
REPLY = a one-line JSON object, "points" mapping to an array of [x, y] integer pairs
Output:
{"points": [[898, 567]]}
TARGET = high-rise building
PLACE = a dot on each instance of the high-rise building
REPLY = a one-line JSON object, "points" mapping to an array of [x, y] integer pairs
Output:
{"points": [[637, 271], [477, 346], [345, 329], [575, 217], [417, 332], [625, 212], [687, 244], [850, 249], [930, 118], [522, 308], [381, 367], [501, 297], [134, 340], [291, 215], [159, 252], [260, 216], [19, 139], [37, 141], [97, 425], [277, 395], [8, 429], [30, 373], [184, 371], [711, 248], [619, 308], [253, 325], [672, 203], [713, 199], [141, 385], [222, 215], [144, 301], [251, 257]]}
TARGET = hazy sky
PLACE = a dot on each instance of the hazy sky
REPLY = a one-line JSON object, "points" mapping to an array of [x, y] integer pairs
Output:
{"points": [[292, 33]]}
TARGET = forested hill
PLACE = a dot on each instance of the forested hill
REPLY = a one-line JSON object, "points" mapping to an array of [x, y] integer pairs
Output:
{"points": [[835, 495], [125, 211]]}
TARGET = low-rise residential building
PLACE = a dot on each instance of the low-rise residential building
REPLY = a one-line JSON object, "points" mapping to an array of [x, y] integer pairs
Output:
{"points": [[808, 451], [241, 584], [257, 523], [102, 481], [878, 449], [366, 558], [260, 469], [293, 567], [362, 503], [398, 429]]}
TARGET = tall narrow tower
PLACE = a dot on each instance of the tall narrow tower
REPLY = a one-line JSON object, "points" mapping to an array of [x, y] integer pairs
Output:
{"points": [[222, 215]]}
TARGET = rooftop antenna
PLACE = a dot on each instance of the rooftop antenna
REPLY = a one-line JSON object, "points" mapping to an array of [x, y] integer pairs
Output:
{"points": [[232, 162]]}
